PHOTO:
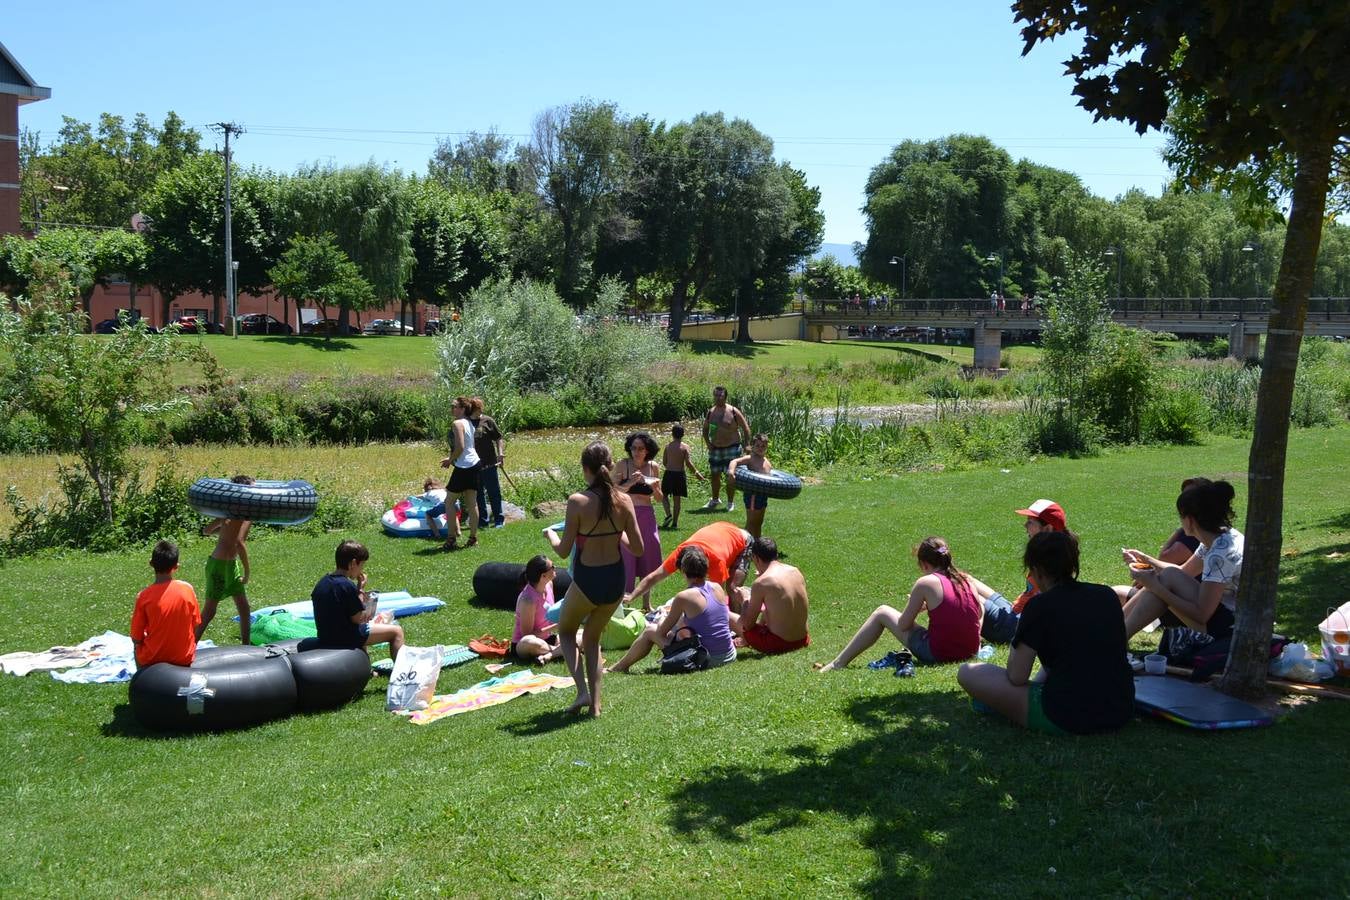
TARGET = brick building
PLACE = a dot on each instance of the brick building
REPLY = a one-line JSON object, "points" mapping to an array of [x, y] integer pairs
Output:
{"points": [[16, 88]]}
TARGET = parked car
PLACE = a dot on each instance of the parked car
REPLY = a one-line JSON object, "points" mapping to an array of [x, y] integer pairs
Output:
{"points": [[386, 326], [433, 326], [320, 326], [108, 326], [262, 323], [193, 323]]}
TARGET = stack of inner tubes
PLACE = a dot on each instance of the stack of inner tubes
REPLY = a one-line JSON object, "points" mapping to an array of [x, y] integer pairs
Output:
{"points": [[238, 687]]}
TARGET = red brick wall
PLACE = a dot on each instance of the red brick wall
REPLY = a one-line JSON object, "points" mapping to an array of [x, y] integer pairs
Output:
{"points": [[107, 301], [9, 164]]}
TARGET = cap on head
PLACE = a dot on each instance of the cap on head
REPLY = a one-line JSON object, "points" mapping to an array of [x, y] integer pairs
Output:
{"points": [[1047, 512]]}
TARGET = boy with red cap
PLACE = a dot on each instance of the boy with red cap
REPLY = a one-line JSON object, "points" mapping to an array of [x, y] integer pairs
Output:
{"points": [[1000, 616]]}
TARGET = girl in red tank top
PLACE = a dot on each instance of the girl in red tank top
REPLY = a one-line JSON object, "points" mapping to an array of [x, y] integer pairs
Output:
{"points": [[954, 614]]}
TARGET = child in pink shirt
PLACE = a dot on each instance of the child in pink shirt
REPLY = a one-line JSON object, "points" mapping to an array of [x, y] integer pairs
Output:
{"points": [[532, 639]]}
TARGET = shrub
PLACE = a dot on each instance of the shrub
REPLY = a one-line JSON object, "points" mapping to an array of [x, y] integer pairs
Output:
{"points": [[1173, 417], [1121, 381]]}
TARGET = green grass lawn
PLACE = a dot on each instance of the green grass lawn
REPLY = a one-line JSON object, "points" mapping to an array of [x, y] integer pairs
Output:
{"points": [[761, 779], [274, 356], [799, 354]]}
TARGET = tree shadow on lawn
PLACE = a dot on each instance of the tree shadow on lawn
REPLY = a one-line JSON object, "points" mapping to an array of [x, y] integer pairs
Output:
{"points": [[318, 342], [947, 800], [1312, 582], [727, 348]]}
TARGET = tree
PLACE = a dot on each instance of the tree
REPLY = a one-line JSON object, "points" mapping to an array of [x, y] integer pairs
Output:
{"points": [[369, 211], [1262, 96], [579, 163], [90, 258], [458, 242], [186, 237], [481, 164], [944, 205], [315, 268], [786, 238], [100, 176], [86, 393], [705, 192]]}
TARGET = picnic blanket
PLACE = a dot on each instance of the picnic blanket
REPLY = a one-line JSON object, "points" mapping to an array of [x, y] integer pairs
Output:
{"points": [[105, 658], [400, 603], [455, 655], [492, 692]]}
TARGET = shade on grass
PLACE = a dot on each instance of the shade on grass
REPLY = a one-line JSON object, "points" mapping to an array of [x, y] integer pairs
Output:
{"points": [[762, 778]]}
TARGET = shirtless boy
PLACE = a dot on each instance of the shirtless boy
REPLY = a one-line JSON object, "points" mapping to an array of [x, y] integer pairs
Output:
{"points": [[724, 430], [755, 461], [779, 594], [674, 460], [227, 569]]}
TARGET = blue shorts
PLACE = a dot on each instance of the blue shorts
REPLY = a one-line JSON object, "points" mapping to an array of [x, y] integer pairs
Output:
{"points": [[918, 645], [364, 630], [755, 501], [1000, 622], [437, 510]]}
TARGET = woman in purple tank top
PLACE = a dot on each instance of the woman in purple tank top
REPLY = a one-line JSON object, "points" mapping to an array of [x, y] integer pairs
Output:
{"points": [[700, 608], [954, 614]]}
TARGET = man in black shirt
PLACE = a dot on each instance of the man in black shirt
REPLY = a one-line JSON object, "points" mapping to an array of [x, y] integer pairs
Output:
{"points": [[1078, 633], [343, 609]]}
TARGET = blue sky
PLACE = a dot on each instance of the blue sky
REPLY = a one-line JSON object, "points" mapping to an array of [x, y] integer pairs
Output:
{"points": [[345, 82]]}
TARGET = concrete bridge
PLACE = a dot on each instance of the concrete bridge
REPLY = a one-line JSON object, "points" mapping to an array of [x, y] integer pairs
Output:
{"points": [[1241, 320]]}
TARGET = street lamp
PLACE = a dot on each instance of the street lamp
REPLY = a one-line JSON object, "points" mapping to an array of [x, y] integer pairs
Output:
{"points": [[900, 261], [1119, 253], [999, 257], [1250, 248]]}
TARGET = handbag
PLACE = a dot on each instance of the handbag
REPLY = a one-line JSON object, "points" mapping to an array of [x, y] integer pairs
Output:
{"points": [[684, 655], [623, 628]]}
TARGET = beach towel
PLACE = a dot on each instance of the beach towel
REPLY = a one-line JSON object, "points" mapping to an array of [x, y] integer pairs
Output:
{"points": [[280, 626], [455, 655], [492, 692], [100, 646], [400, 603]]}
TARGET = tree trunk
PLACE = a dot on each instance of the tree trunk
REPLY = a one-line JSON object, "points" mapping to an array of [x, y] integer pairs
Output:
{"points": [[1249, 657], [743, 327], [286, 312], [87, 304], [344, 312], [745, 301], [677, 298], [216, 308]]}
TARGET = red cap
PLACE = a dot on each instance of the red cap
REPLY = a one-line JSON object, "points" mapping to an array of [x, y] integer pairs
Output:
{"points": [[1047, 511]]}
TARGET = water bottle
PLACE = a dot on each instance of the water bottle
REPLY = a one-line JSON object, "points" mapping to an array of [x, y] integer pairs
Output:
{"points": [[985, 653]]}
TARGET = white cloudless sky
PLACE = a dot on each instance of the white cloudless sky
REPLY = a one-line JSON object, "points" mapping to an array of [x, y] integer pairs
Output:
{"points": [[836, 85]]}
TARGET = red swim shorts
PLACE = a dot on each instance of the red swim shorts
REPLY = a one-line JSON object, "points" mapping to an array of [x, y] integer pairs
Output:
{"points": [[765, 641]]}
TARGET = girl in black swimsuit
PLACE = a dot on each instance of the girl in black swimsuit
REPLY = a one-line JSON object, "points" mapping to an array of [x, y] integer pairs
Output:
{"points": [[597, 570]]}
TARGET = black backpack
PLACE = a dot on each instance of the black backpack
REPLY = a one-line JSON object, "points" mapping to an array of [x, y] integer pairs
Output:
{"points": [[684, 655]]}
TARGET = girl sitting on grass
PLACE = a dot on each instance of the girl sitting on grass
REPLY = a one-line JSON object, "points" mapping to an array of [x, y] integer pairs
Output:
{"points": [[533, 640], [954, 614], [1085, 684]]}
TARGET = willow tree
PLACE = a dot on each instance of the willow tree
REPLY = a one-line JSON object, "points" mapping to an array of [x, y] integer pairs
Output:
{"points": [[1259, 92]]}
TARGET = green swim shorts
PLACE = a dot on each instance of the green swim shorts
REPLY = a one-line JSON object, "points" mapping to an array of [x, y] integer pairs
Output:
{"points": [[1037, 720], [224, 579]]}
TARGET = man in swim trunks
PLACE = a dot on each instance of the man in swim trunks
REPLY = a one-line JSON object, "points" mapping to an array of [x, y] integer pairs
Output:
{"points": [[727, 547], [779, 592], [724, 430]]}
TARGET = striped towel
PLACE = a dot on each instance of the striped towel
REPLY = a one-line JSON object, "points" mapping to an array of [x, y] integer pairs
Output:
{"points": [[455, 655]]}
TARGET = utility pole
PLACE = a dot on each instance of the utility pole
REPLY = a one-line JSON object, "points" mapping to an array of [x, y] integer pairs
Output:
{"points": [[229, 128]]}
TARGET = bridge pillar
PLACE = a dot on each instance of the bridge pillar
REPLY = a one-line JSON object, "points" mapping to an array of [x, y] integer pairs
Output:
{"points": [[1243, 344], [988, 346]]}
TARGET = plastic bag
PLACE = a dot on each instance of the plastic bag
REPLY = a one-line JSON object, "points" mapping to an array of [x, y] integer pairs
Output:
{"points": [[1297, 664], [413, 682]]}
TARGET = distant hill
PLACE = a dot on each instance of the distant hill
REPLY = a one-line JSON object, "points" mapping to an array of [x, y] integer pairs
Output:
{"points": [[843, 253]]}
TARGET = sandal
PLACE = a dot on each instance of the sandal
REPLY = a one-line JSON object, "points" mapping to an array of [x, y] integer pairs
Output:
{"points": [[452, 544], [472, 542]]}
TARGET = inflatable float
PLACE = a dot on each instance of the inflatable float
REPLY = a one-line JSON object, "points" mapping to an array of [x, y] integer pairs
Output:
{"points": [[397, 603], [777, 484], [498, 583], [408, 518], [238, 687], [267, 502]]}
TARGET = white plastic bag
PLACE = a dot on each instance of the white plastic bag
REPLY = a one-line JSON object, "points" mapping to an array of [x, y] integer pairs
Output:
{"points": [[1297, 664], [413, 681]]}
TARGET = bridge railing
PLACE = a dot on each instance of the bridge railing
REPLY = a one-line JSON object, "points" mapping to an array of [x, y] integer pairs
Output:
{"points": [[1124, 307]]}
